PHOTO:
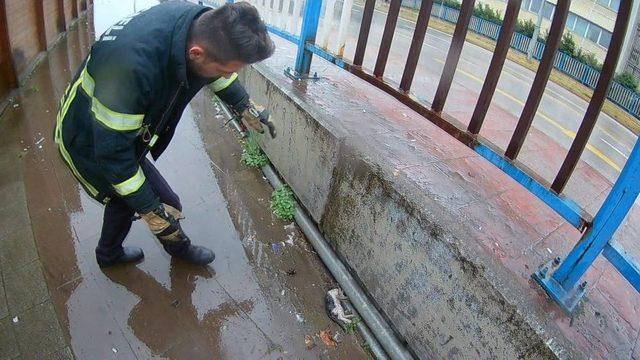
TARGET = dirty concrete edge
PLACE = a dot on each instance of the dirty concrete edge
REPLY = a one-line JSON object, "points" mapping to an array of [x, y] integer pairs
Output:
{"points": [[502, 289]]}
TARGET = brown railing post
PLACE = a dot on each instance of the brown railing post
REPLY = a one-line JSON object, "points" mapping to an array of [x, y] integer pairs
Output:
{"points": [[40, 29], [7, 68], [416, 45], [387, 38], [540, 80], [453, 56], [61, 21], [597, 100], [495, 68], [74, 9], [363, 37]]}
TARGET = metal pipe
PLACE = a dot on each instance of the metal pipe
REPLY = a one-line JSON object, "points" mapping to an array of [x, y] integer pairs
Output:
{"points": [[384, 335], [231, 117], [374, 345], [354, 292]]}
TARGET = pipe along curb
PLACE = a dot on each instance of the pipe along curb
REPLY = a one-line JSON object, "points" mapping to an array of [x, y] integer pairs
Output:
{"points": [[383, 336]]}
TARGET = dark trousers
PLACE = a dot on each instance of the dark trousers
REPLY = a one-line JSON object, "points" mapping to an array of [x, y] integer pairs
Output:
{"points": [[118, 216]]}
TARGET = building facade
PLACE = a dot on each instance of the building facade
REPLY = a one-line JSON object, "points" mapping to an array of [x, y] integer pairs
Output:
{"points": [[590, 21], [630, 60]]}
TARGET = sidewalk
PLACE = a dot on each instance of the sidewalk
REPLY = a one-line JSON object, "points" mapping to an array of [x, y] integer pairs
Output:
{"points": [[256, 301]]}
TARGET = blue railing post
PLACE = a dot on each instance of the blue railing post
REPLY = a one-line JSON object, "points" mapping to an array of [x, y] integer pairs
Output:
{"points": [[561, 285], [310, 21]]}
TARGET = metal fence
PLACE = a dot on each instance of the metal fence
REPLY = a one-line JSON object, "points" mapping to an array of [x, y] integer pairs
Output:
{"points": [[560, 278], [624, 97]]}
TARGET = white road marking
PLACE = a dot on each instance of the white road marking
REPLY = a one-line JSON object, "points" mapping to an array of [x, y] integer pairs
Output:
{"points": [[614, 148]]}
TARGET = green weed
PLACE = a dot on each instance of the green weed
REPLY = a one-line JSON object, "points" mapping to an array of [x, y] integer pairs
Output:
{"points": [[283, 203], [252, 154], [352, 327]]}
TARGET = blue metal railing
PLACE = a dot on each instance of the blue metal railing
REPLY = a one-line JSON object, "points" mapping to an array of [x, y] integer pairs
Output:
{"points": [[559, 278]]}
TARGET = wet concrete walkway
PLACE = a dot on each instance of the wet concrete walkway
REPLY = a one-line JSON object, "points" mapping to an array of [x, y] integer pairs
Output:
{"points": [[256, 301]]}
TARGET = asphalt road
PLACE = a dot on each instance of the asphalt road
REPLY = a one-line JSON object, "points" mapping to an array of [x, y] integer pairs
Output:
{"points": [[560, 111]]}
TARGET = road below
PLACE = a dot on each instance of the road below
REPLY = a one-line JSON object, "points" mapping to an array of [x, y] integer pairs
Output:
{"points": [[560, 111]]}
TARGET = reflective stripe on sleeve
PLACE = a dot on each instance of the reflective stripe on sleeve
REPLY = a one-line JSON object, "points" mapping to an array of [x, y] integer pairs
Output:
{"points": [[223, 83], [130, 185]]}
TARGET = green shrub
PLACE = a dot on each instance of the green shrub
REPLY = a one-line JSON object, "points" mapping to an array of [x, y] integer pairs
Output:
{"points": [[588, 58], [544, 36], [568, 44], [627, 80], [252, 154], [450, 3], [526, 27], [283, 203], [486, 12]]}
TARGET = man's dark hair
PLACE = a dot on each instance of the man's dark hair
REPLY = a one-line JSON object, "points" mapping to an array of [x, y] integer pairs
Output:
{"points": [[233, 32]]}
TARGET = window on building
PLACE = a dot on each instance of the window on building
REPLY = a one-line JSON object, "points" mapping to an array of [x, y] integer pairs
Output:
{"points": [[612, 4], [547, 10], [571, 21], [593, 33], [581, 26], [615, 5], [526, 4], [605, 39], [535, 5]]}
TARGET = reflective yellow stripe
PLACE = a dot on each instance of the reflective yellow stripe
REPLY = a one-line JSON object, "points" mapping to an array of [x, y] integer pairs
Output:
{"points": [[111, 119], [223, 83], [153, 140], [87, 82], [58, 138], [115, 120], [130, 185]]}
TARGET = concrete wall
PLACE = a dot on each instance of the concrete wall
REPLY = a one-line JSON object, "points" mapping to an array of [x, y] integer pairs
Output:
{"points": [[442, 293]]}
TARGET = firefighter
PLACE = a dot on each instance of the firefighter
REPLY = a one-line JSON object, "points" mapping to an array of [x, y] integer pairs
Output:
{"points": [[126, 101]]}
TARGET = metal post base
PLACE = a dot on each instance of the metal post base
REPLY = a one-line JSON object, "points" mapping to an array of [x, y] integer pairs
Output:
{"points": [[294, 75], [568, 300]]}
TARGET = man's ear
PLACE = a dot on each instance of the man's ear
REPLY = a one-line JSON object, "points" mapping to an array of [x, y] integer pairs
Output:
{"points": [[196, 52]]}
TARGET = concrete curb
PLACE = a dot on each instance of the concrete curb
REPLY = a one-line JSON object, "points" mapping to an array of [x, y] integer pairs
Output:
{"points": [[442, 292]]}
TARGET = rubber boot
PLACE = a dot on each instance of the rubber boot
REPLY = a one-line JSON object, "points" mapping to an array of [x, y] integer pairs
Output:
{"points": [[183, 249], [130, 254]]}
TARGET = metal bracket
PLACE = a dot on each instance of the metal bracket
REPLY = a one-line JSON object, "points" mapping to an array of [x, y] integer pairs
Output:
{"points": [[568, 300], [294, 75]]}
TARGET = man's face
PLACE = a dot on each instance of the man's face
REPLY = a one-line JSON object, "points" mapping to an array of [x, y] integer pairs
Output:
{"points": [[205, 67]]}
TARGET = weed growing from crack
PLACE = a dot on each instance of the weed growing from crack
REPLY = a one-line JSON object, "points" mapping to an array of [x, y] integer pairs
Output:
{"points": [[283, 203], [252, 154], [352, 327]]}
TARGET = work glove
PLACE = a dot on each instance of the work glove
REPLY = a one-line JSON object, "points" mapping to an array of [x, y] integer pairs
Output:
{"points": [[254, 116], [163, 223]]}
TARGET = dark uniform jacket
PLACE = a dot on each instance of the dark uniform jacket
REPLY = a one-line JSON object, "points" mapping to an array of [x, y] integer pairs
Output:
{"points": [[128, 98]]}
